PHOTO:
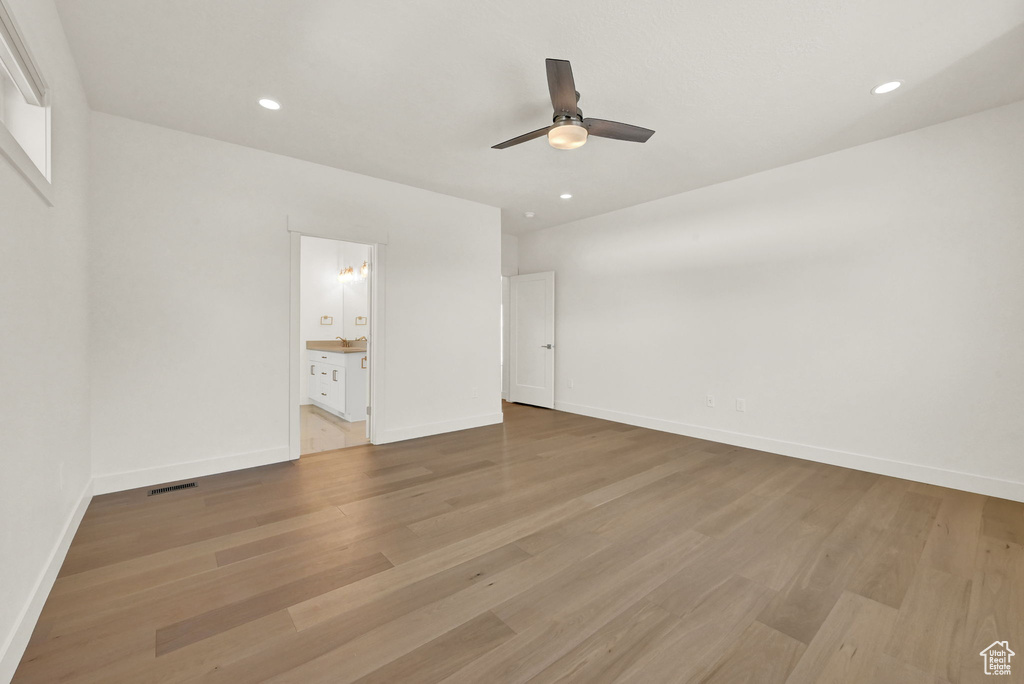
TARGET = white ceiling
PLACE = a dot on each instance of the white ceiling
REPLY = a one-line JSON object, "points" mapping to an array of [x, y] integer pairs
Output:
{"points": [[417, 92]]}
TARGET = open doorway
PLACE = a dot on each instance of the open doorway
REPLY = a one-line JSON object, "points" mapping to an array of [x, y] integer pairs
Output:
{"points": [[334, 325]]}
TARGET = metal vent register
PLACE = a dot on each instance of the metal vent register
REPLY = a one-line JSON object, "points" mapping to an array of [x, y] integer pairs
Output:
{"points": [[172, 488]]}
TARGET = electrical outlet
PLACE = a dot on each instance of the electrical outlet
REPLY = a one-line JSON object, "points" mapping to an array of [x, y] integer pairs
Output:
{"points": [[476, 392], [741, 404], [570, 383], [709, 401]]}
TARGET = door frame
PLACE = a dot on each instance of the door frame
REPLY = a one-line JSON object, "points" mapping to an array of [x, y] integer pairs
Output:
{"points": [[375, 348]]}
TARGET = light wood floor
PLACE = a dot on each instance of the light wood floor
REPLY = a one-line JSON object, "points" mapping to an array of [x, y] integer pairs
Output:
{"points": [[552, 548], [323, 431]]}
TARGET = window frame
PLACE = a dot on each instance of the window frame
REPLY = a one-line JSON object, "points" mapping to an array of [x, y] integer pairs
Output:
{"points": [[16, 61]]}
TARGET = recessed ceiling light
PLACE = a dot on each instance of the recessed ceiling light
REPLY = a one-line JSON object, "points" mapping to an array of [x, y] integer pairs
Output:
{"points": [[269, 104], [529, 214], [565, 195], [887, 87]]}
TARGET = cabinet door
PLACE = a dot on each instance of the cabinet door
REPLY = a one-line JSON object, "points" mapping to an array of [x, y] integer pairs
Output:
{"points": [[355, 391], [336, 383]]}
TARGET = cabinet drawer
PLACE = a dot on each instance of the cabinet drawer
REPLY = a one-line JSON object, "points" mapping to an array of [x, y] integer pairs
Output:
{"points": [[325, 357]]}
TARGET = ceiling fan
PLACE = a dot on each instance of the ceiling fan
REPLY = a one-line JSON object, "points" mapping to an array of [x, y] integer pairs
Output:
{"points": [[569, 129]]}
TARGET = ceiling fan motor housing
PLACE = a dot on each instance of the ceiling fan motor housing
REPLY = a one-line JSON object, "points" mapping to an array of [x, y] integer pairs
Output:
{"points": [[567, 120]]}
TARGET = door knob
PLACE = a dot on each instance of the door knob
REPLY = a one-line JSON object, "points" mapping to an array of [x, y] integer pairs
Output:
{"points": [[547, 346]]}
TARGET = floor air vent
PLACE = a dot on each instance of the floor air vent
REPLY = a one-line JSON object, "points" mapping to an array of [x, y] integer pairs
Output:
{"points": [[172, 488]]}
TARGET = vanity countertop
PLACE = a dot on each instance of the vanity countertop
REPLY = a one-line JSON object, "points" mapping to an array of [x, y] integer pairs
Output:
{"points": [[334, 346]]}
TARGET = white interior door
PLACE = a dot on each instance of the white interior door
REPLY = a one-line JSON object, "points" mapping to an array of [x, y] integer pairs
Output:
{"points": [[532, 339]]}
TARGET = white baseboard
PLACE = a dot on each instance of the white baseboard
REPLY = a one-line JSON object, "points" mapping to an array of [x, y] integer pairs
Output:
{"points": [[428, 429], [969, 482], [117, 482], [14, 648]]}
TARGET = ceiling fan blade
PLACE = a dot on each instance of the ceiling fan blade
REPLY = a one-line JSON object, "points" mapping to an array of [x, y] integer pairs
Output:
{"points": [[561, 86], [522, 138], [617, 131]]}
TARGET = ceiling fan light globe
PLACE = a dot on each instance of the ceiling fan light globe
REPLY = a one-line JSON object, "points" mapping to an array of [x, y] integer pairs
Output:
{"points": [[568, 136]]}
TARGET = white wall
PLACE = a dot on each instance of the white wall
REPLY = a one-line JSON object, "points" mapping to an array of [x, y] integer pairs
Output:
{"points": [[868, 305], [323, 295], [509, 267], [356, 294], [44, 337], [191, 300], [509, 255]]}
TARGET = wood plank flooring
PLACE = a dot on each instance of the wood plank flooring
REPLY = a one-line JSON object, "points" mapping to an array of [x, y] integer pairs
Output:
{"points": [[551, 548]]}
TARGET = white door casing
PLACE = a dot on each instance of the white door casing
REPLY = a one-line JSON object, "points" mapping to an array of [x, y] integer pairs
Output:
{"points": [[532, 339]]}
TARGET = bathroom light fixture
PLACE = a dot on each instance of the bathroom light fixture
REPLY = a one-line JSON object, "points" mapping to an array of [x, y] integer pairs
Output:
{"points": [[887, 87], [267, 103], [565, 195], [364, 270], [347, 275]]}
